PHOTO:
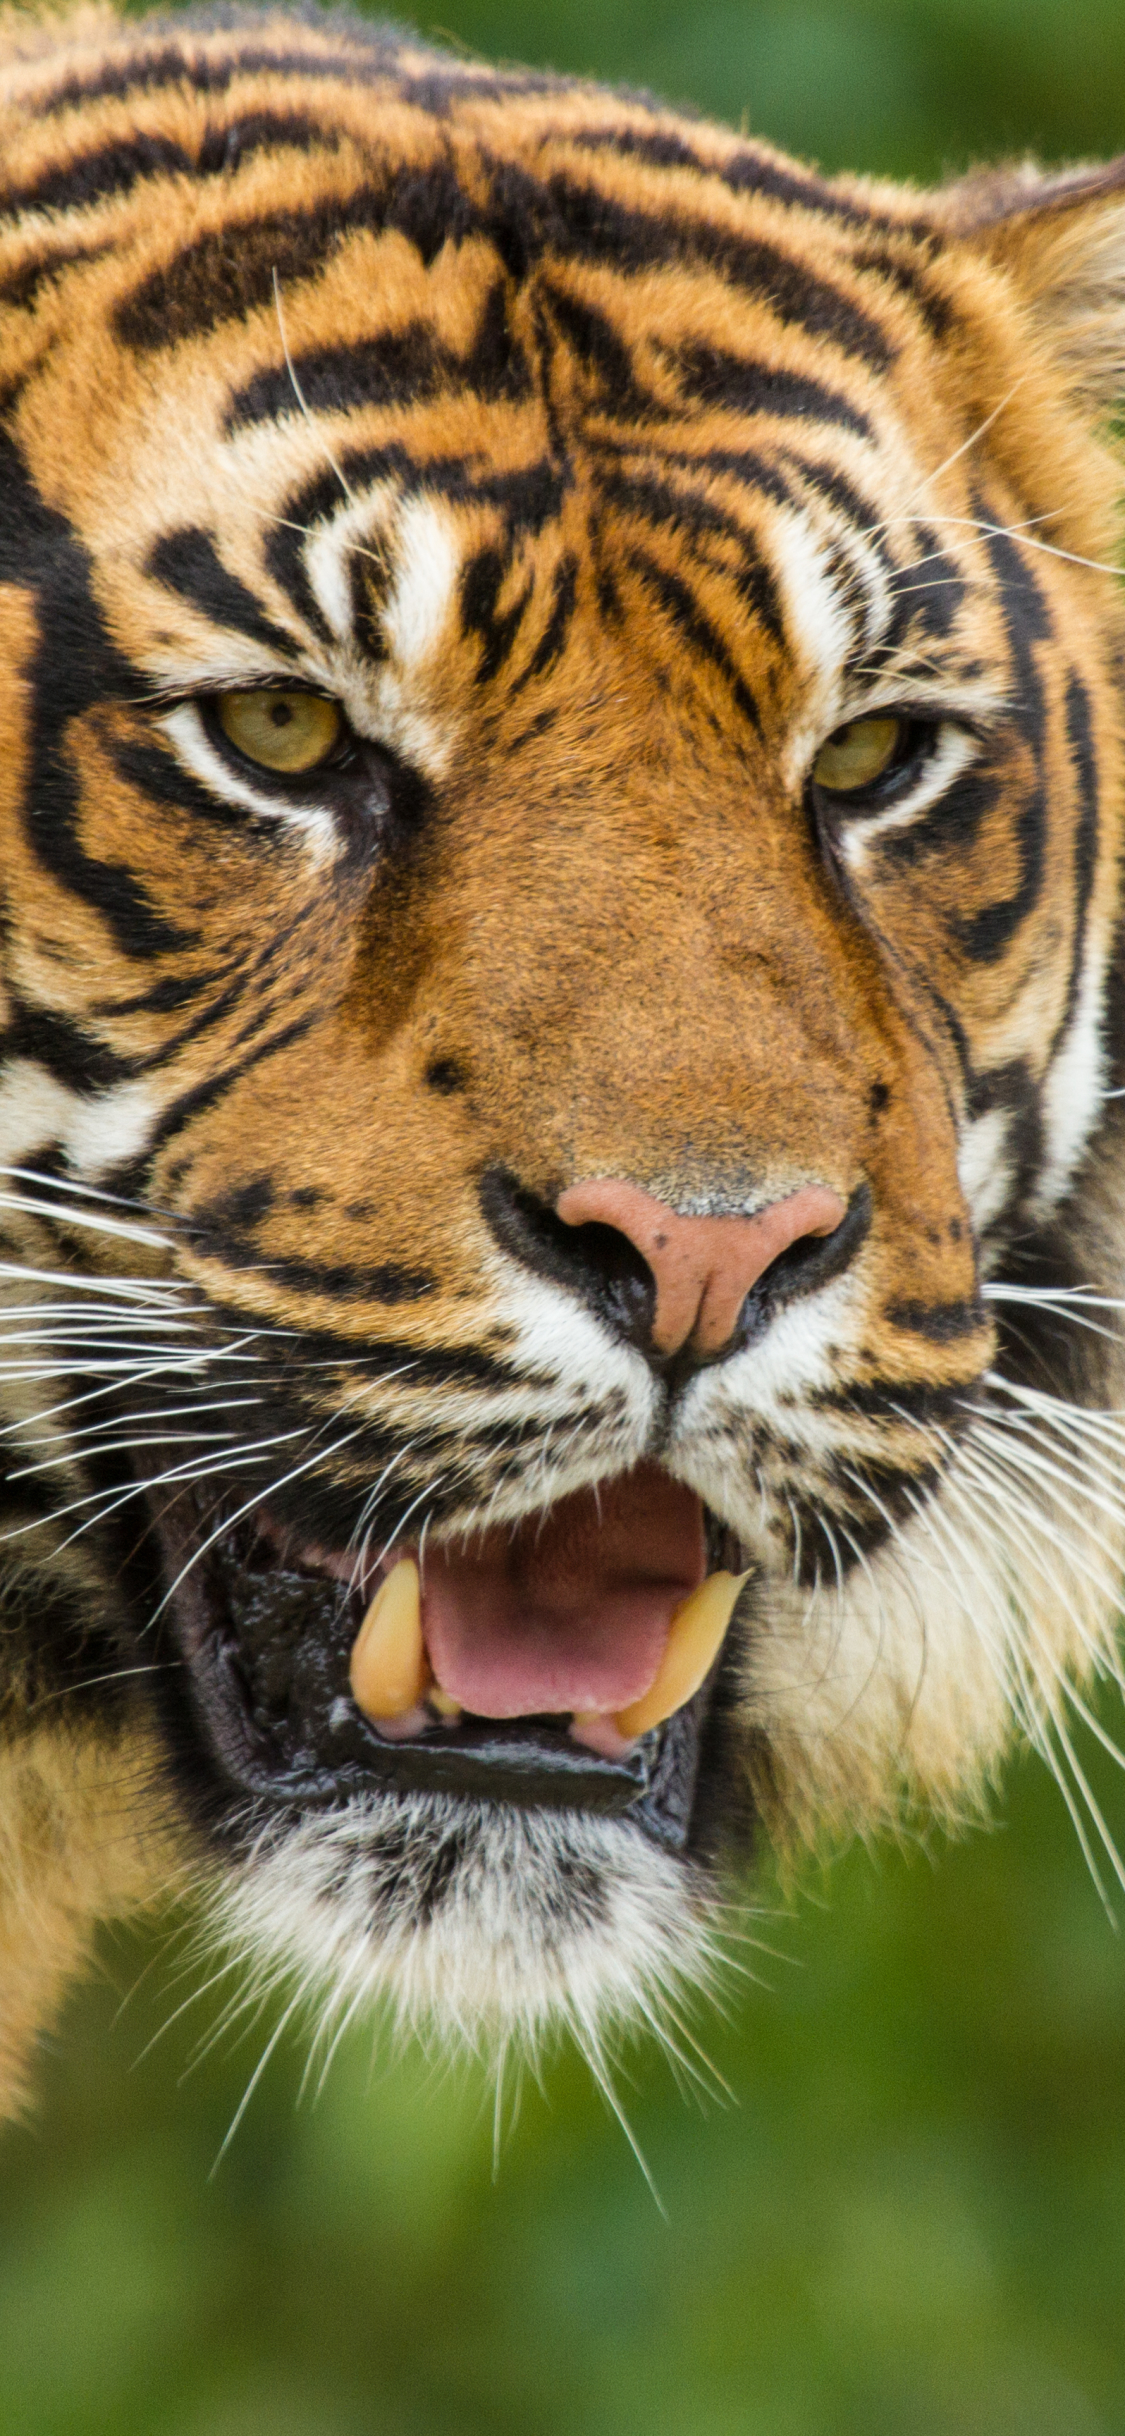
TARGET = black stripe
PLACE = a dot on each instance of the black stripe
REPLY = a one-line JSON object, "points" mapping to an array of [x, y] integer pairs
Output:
{"points": [[92, 177], [175, 990], [744, 464], [739, 383], [225, 1003], [528, 499], [75, 666], [680, 604], [584, 223], [211, 1093], [62, 1048], [230, 272], [603, 353], [849, 503], [539, 726], [759, 173], [21, 286], [115, 168], [224, 148], [552, 642], [144, 71], [658, 147], [954, 822], [399, 368], [481, 582], [942, 1323], [745, 172], [342, 1281], [908, 278], [319, 1348], [284, 545], [188, 563], [661, 505], [366, 579], [986, 936], [916, 1400], [1083, 762], [928, 595], [396, 370], [1015, 1089]]}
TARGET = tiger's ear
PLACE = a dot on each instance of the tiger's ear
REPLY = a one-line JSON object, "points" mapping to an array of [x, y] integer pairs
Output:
{"points": [[1062, 236]]}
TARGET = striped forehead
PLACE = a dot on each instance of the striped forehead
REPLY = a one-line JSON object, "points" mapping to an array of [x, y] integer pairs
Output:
{"points": [[376, 418], [349, 574], [772, 516]]}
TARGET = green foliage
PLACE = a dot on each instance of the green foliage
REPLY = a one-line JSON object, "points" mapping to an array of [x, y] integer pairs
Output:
{"points": [[907, 2220], [910, 87]]}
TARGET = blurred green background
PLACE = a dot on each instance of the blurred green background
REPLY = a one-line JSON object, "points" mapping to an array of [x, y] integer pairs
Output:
{"points": [[909, 2217]]}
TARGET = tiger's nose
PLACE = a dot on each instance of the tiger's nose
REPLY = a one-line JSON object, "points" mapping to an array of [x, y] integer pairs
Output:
{"points": [[702, 1268]]}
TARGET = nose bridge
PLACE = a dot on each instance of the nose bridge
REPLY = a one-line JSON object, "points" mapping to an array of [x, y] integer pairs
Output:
{"points": [[633, 992], [703, 1268]]}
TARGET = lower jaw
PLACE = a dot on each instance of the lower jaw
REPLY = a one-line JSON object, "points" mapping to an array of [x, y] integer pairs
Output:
{"points": [[267, 1649]]}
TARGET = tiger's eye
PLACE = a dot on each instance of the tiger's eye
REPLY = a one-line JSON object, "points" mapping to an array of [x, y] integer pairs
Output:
{"points": [[857, 755], [287, 732]]}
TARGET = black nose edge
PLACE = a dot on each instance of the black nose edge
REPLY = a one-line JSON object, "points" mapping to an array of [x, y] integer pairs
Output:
{"points": [[597, 1263], [608, 1274]]}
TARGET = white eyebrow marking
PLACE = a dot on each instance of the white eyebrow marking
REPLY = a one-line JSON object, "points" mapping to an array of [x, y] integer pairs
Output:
{"points": [[416, 613]]}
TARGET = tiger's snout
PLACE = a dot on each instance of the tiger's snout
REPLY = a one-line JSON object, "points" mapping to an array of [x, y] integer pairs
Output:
{"points": [[702, 1268]]}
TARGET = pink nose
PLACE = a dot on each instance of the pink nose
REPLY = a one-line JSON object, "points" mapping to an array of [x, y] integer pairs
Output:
{"points": [[703, 1267]]}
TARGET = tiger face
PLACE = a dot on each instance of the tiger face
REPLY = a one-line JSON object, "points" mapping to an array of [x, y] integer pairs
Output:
{"points": [[561, 800]]}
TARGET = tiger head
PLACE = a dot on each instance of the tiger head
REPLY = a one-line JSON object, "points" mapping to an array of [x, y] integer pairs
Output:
{"points": [[561, 794]]}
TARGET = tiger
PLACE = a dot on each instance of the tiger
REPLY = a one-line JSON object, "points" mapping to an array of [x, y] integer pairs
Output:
{"points": [[563, 1044]]}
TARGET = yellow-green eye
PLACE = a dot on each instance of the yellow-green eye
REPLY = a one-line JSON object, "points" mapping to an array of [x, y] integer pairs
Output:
{"points": [[858, 754], [287, 732]]}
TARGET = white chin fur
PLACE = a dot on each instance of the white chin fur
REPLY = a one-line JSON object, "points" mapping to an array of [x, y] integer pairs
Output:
{"points": [[547, 1919]]}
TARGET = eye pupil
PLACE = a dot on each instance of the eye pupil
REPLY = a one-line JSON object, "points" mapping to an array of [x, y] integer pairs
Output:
{"points": [[859, 754], [290, 733]]}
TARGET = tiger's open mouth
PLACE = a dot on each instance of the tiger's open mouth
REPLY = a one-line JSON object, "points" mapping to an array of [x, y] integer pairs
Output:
{"points": [[567, 1660]]}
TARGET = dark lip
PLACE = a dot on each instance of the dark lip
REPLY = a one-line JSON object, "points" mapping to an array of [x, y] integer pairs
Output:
{"points": [[267, 1643]]}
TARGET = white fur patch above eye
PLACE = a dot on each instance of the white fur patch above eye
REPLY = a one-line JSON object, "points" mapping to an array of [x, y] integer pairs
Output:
{"points": [[428, 562], [413, 559], [356, 528], [408, 553], [820, 630]]}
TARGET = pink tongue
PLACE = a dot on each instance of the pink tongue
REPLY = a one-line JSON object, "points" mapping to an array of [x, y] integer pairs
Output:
{"points": [[569, 1609]]}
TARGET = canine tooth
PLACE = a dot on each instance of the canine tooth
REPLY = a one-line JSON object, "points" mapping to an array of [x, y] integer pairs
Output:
{"points": [[599, 1733], [697, 1632], [389, 1672], [444, 1703]]}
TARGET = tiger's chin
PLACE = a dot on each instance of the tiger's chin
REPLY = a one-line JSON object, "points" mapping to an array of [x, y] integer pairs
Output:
{"points": [[495, 1876], [480, 1922]]}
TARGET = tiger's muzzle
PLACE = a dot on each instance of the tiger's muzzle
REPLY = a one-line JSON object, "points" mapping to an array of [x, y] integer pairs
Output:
{"points": [[548, 1625], [569, 1660]]}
